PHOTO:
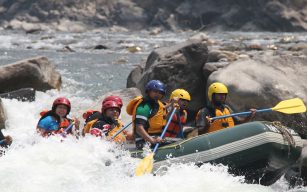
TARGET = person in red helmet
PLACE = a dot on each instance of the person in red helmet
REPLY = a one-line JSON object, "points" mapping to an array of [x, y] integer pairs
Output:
{"points": [[115, 98], [56, 121], [106, 123], [93, 114]]}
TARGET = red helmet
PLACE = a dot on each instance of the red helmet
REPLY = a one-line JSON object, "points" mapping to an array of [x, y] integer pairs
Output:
{"points": [[110, 104], [115, 98], [61, 101]]}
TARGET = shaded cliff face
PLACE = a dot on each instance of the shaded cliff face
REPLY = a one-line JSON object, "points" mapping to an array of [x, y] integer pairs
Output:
{"points": [[245, 15], [77, 15]]}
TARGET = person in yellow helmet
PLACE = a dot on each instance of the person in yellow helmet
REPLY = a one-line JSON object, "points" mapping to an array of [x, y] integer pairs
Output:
{"points": [[217, 93], [175, 128]]}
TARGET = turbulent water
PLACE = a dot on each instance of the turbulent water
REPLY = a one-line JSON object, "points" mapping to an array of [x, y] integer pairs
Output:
{"points": [[89, 164]]}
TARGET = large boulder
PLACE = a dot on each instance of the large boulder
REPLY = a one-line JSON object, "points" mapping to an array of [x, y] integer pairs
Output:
{"points": [[24, 94], [2, 116], [37, 73], [179, 66], [264, 82], [134, 76]]}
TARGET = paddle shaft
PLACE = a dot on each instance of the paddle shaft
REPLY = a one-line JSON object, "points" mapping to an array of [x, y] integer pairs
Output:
{"points": [[241, 114], [165, 128], [67, 129], [122, 129]]}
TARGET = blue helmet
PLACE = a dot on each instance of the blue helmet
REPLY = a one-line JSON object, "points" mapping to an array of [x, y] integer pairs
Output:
{"points": [[155, 85]]}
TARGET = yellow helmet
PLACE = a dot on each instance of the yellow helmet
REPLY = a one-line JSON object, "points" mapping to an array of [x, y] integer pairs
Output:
{"points": [[181, 94], [216, 88]]}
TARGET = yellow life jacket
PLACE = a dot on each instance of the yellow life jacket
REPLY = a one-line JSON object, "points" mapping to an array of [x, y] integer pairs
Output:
{"points": [[88, 126], [221, 123], [156, 122], [119, 138]]}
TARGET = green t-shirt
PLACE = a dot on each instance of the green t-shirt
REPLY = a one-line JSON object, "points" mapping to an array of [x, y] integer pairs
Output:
{"points": [[143, 111]]}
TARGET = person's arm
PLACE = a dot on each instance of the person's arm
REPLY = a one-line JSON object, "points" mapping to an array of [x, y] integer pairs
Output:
{"points": [[76, 126], [202, 120], [240, 120], [170, 107], [142, 132]]}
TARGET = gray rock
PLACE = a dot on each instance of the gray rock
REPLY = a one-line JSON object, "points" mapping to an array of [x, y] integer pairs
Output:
{"points": [[37, 73], [24, 94], [100, 47], [218, 55], [2, 116], [134, 76], [213, 66]]}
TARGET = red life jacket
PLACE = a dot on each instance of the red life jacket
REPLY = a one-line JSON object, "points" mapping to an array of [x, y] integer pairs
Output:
{"points": [[174, 127]]}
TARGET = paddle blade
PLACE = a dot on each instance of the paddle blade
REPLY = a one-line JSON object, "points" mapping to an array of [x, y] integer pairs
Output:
{"points": [[145, 166], [290, 106]]}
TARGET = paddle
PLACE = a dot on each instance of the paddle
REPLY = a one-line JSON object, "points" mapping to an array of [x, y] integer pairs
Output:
{"points": [[122, 129], [290, 106], [146, 164], [67, 129]]}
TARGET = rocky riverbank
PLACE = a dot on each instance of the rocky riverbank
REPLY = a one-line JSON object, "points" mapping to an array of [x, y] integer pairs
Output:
{"points": [[82, 15]]}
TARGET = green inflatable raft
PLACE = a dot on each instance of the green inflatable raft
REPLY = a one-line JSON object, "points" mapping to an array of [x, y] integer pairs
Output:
{"points": [[261, 151]]}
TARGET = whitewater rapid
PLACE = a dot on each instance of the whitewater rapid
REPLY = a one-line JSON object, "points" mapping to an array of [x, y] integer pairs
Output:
{"points": [[35, 164]]}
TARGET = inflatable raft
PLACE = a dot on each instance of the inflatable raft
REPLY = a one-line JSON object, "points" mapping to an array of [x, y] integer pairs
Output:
{"points": [[261, 151]]}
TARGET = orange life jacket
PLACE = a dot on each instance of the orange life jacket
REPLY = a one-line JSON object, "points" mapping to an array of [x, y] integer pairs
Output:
{"points": [[221, 123], [156, 122], [174, 127]]}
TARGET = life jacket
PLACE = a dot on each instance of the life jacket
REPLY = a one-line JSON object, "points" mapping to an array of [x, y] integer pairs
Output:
{"points": [[156, 121], [221, 123], [62, 125], [90, 120], [88, 114], [175, 126], [119, 138]]}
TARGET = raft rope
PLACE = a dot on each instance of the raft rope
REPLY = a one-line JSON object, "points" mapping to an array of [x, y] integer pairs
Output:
{"points": [[285, 134]]}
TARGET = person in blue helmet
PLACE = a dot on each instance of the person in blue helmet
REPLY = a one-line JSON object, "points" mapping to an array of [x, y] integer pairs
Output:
{"points": [[148, 114]]}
